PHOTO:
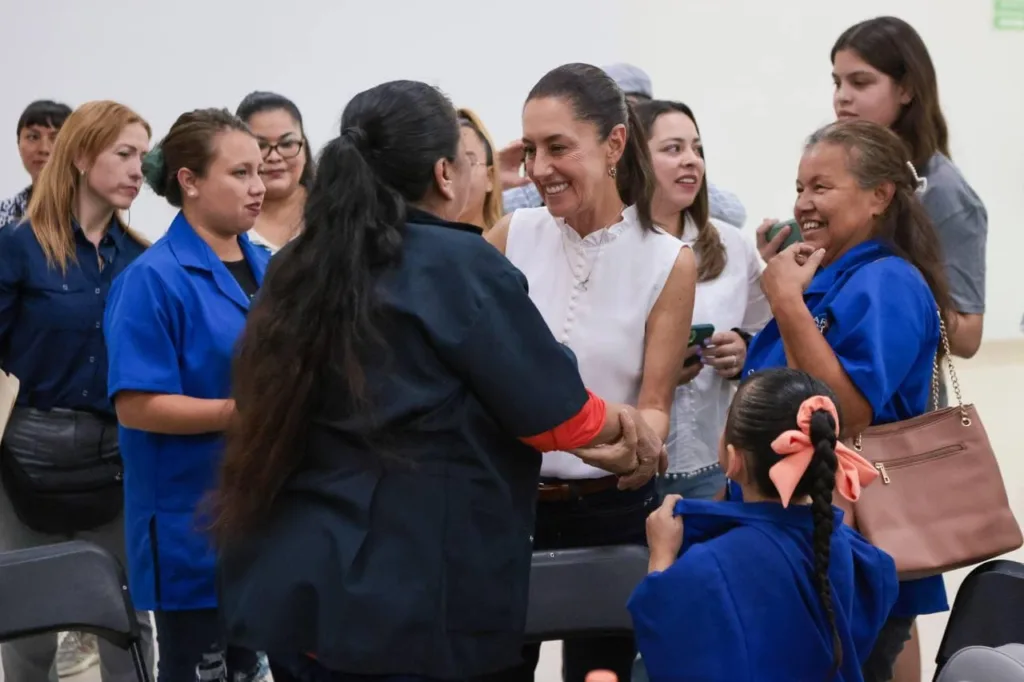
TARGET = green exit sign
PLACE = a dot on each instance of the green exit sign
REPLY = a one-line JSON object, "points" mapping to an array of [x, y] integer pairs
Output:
{"points": [[1008, 15]]}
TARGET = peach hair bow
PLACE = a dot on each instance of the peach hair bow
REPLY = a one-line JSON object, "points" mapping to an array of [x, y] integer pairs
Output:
{"points": [[796, 449]]}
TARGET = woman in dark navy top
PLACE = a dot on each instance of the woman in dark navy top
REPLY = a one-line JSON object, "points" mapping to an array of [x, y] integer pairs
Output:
{"points": [[858, 305], [394, 385], [59, 463], [173, 320]]}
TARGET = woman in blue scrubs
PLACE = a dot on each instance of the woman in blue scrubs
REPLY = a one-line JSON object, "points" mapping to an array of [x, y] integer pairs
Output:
{"points": [[171, 324], [857, 305]]}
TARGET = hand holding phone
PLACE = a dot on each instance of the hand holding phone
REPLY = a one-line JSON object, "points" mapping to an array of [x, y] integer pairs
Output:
{"points": [[699, 335], [793, 237]]}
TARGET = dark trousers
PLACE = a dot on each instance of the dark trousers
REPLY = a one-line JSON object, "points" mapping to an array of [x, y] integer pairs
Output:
{"points": [[610, 517], [190, 638], [305, 669]]}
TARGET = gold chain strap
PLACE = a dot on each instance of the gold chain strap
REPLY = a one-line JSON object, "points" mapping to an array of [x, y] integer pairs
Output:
{"points": [[954, 382], [936, 373]]}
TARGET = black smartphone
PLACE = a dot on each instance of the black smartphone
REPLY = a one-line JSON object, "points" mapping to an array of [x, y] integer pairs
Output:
{"points": [[699, 334], [794, 233]]}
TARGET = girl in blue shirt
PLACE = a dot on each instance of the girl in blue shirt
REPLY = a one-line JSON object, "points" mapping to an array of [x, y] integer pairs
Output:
{"points": [[171, 326], [773, 586], [858, 304]]}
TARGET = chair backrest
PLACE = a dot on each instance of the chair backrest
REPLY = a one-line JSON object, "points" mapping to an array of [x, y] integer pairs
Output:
{"points": [[985, 664], [987, 611], [72, 586], [576, 592]]}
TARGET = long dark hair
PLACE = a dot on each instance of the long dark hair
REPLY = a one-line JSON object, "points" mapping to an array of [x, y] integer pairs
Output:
{"points": [[766, 405], [596, 98], [709, 246], [876, 155], [315, 314], [893, 47], [258, 102]]}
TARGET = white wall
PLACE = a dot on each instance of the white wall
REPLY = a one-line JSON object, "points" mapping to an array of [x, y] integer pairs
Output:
{"points": [[758, 77], [756, 73]]}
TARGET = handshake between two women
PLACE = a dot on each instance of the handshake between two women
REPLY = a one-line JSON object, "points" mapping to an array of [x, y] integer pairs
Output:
{"points": [[627, 447]]}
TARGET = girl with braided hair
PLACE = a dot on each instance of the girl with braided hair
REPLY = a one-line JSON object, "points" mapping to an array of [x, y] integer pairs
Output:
{"points": [[770, 584]]}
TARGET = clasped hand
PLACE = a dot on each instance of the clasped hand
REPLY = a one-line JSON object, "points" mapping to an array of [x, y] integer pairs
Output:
{"points": [[635, 457]]}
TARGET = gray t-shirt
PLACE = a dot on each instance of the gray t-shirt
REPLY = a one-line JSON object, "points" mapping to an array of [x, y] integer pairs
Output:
{"points": [[962, 224]]}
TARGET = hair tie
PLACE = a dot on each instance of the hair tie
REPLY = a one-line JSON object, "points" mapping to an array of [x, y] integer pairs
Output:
{"points": [[357, 137], [796, 450], [920, 184], [154, 166]]}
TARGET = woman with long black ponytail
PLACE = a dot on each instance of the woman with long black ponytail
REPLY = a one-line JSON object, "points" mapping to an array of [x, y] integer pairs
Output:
{"points": [[770, 584], [394, 387]]}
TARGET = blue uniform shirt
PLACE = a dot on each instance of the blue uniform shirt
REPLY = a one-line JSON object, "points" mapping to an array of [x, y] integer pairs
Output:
{"points": [[740, 604], [51, 322], [171, 326], [880, 318]]}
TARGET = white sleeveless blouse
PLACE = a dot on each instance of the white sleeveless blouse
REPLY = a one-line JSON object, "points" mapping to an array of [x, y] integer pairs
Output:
{"points": [[595, 294]]}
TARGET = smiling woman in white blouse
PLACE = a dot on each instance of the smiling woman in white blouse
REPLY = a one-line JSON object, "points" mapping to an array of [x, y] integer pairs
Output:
{"points": [[614, 289], [729, 297]]}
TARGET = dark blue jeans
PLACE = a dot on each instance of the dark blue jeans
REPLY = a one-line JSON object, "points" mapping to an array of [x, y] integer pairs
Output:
{"points": [[188, 638], [610, 517]]}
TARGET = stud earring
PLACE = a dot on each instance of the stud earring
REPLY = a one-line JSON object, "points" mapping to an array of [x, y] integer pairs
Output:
{"points": [[613, 171]]}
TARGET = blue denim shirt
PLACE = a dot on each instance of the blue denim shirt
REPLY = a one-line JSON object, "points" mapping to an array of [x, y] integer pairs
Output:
{"points": [[51, 322]]}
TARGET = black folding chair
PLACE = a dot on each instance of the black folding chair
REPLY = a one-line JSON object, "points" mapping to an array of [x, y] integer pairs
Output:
{"points": [[583, 592], [72, 586], [988, 610]]}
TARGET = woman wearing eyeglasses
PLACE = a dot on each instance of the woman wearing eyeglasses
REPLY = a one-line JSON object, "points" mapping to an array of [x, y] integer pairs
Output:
{"points": [[287, 166], [483, 207]]}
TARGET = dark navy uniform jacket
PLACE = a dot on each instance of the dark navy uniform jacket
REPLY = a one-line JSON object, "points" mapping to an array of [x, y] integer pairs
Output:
{"points": [[402, 545]]}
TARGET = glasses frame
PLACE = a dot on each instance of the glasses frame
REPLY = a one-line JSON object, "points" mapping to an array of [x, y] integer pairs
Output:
{"points": [[271, 148]]}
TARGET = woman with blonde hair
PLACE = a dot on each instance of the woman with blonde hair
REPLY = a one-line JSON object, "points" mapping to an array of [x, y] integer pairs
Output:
{"points": [[483, 207], [60, 464]]}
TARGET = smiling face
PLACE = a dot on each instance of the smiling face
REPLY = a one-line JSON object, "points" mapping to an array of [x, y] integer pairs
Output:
{"points": [[677, 156], [835, 213], [115, 175], [862, 91], [281, 142], [566, 158]]}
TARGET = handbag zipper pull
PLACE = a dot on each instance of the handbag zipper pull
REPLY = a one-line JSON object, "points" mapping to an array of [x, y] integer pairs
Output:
{"points": [[885, 476]]}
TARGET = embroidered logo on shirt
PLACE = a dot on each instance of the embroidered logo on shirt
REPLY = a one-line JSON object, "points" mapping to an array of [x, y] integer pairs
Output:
{"points": [[822, 322]]}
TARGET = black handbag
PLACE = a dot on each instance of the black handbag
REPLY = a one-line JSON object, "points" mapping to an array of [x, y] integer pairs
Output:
{"points": [[64, 501], [62, 470]]}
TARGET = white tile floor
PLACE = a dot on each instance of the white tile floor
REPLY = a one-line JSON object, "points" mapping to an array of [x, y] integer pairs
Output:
{"points": [[994, 382]]}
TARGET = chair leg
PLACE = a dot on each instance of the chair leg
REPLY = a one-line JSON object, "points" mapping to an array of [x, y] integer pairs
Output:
{"points": [[140, 662]]}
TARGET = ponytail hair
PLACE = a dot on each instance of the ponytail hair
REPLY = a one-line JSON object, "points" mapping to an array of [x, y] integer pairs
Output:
{"points": [[595, 98], [317, 307], [766, 405], [820, 479], [710, 251]]}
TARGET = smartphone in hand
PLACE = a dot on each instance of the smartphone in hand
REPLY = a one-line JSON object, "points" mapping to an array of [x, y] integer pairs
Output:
{"points": [[699, 335], [794, 233]]}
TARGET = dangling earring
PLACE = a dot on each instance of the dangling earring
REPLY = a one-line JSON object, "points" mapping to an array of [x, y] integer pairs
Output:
{"points": [[613, 171]]}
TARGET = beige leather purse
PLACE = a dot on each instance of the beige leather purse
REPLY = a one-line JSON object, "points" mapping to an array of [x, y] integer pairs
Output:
{"points": [[939, 502]]}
